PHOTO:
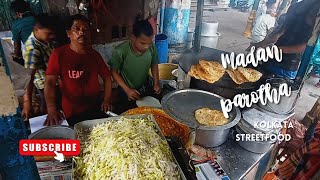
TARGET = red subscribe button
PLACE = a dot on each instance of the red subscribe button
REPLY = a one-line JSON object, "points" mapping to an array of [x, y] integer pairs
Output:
{"points": [[47, 147]]}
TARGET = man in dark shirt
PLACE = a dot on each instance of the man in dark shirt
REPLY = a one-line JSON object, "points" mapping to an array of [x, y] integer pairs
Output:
{"points": [[22, 27], [291, 36]]}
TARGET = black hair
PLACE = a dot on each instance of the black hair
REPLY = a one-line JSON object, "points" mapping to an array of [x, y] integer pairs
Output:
{"points": [[20, 6], [142, 26], [75, 17], [46, 21]]}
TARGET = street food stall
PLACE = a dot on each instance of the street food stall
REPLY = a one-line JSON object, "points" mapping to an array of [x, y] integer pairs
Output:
{"points": [[182, 132]]}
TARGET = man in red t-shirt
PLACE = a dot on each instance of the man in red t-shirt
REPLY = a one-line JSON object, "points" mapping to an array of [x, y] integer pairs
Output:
{"points": [[77, 66]]}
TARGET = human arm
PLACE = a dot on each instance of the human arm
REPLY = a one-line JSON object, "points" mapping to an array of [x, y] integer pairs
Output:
{"points": [[106, 105], [116, 64], [27, 98], [54, 115], [132, 94], [105, 74], [52, 75], [273, 34], [293, 49], [155, 75], [17, 50], [31, 59], [155, 70], [16, 38], [270, 39]]}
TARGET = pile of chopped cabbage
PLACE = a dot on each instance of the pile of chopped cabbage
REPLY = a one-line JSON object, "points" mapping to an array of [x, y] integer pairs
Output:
{"points": [[125, 149]]}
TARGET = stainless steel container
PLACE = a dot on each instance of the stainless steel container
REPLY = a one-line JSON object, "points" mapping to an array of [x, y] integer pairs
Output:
{"points": [[211, 138], [259, 147], [209, 29], [182, 104], [189, 43], [53, 132], [254, 146], [286, 104], [210, 41]]}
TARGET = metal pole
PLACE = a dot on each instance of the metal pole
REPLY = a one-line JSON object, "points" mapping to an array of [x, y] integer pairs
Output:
{"points": [[163, 5], [199, 18]]}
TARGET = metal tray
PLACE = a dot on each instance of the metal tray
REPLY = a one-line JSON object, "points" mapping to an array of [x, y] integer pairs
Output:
{"points": [[86, 127], [53, 132], [182, 104]]}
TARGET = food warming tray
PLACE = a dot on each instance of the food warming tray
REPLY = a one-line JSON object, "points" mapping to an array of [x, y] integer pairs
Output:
{"points": [[84, 128], [182, 104]]}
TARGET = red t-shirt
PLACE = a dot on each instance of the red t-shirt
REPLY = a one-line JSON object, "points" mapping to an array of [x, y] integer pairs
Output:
{"points": [[79, 78]]}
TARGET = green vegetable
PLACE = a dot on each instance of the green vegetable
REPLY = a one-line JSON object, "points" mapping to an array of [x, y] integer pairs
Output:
{"points": [[127, 149]]}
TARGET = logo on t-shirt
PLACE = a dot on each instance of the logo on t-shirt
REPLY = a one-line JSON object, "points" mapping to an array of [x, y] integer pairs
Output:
{"points": [[75, 74]]}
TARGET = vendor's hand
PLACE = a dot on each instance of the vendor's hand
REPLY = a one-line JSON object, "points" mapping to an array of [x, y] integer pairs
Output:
{"points": [[157, 88], [54, 117], [106, 105], [133, 94], [27, 110]]}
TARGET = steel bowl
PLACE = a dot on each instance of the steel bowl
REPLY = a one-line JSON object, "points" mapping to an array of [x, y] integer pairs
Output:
{"points": [[182, 104], [287, 103], [258, 147]]}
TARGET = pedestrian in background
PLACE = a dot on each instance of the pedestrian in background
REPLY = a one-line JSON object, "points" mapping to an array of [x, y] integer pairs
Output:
{"points": [[21, 28]]}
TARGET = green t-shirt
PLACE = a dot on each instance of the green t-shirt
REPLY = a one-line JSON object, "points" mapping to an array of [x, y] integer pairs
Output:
{"points": [[132, 67]]}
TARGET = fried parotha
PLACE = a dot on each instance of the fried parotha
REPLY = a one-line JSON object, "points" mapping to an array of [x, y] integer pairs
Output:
{"points": [[236, 76], [242, 75], [210, 117], [207, 71], [250, 74], [198, 72], [211, 72]]}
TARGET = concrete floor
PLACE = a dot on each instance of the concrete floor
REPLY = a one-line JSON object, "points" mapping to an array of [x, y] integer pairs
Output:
{"points": [[309, 95], [232, 24]]}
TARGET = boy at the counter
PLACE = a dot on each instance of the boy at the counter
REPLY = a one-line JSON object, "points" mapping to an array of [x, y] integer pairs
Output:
{"points": [[78, 66], [38, 48], [131, 61]]}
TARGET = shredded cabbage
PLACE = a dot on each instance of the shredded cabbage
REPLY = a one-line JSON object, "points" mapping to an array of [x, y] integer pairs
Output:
{"points": [[126, 149]]}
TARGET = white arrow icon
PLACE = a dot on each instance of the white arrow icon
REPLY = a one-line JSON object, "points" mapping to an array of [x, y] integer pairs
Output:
{"points": [[59, 156]]}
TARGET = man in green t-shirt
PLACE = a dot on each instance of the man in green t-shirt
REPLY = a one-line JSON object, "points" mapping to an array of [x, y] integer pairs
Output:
{"points": [[131, 61]]}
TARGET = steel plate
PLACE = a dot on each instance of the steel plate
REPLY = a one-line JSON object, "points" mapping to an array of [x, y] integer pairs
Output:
{"points": [[182, 104]]}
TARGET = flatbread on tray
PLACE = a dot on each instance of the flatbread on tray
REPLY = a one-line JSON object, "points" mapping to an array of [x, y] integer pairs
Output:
{"points": [[210, 117], [236, 76], [250, 74]]}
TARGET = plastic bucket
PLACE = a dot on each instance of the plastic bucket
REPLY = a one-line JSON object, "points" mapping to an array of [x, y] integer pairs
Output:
{"points": [[162, 47]]}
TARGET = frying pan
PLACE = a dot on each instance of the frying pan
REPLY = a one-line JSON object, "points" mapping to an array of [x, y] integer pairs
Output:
{"points": [[225, 86]]}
